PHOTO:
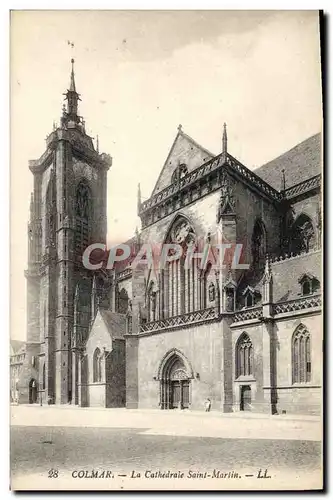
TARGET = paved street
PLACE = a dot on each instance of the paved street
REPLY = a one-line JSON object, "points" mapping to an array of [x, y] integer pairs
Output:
{"points": [[139, 444]]}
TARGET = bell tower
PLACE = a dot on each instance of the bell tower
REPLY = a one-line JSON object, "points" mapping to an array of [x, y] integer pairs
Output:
{"points": [[68, 212]]}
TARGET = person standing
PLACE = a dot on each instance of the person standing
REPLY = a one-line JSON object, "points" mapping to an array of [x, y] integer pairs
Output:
{"points": [[208, 404]]}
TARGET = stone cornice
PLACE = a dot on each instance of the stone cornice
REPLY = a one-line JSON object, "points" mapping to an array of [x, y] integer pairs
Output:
{"points": [[82, 147], [303, 187], [241, 318]]}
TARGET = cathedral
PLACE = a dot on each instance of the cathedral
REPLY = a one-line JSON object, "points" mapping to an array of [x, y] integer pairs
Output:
{"points": [[249, 338]]}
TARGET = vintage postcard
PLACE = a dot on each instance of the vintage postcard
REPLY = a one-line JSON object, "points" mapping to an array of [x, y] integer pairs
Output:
{"points": [[166, 250]]}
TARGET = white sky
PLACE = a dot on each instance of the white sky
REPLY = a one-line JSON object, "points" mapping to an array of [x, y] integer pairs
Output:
{"points": [[140, 74]]}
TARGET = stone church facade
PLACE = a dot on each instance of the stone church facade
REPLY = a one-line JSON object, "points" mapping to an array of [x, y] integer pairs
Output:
{"points": [[140, 337]]}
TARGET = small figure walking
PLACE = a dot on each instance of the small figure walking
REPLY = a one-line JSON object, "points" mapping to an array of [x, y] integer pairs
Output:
{"points": [[208, 404]]}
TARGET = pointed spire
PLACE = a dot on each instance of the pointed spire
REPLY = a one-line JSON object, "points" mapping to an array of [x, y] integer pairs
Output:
{"points": [[224, 139], [97, 144], [283, 180], [139, 197], [72, 87], [71, 114]]}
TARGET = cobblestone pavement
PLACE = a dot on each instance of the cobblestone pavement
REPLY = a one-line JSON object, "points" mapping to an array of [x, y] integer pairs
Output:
{"points": [[138, 444]]}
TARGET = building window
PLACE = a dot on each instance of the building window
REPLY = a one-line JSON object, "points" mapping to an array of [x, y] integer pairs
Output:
{"points": [[303, 237], [249, 300], [211, 292], [306, 287], [180, 285], [301, 355], [251, 297], [97, 366], [121, 301], [83, 215], [309, 284], [244, 356], [258, 245], [51, 211]]}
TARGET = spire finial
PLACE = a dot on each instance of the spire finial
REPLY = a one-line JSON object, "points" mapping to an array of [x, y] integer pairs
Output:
{"points": [[283, 180], [224, 139], [268, 269], [180, 128], [139, 197], [97, 144], [72, 85]]}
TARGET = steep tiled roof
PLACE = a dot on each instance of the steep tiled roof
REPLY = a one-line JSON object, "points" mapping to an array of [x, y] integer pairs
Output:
{"points": [[300, 163], [286, 275], [115, 323]]}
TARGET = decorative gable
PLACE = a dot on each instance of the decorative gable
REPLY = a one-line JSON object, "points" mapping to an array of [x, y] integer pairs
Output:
{"points": [[251, 296], [185, 155]]}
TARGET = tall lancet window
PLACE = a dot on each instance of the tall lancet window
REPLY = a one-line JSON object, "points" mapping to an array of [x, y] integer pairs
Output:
{"points": [[302, 235], [301, 355], [97, 365], [83, 210], [244, 356], [50, 223], [259, 245], [180, 283]]}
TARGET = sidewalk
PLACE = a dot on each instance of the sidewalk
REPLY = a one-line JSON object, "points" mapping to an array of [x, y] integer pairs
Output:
{"points": [[175, 423], [180, 413]]}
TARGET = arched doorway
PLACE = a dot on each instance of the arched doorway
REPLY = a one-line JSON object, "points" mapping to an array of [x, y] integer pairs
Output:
{"points": [[175, 382], [245, 399], [32, 391]]}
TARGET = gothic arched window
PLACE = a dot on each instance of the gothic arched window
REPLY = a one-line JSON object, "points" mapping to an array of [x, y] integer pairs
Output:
{"points": [[258, 245], [180, 283], [51, 211], [301, 355], [122, 301], [82, 310], [82, 218], [97, 366], [302, 235], [244, 356]]}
